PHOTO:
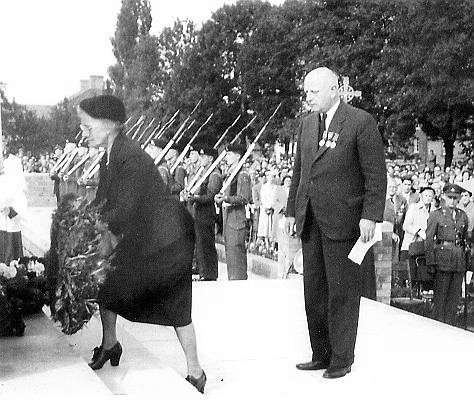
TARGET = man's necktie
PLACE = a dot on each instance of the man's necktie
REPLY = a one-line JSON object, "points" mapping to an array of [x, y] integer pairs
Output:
{"points": [[104, 160], [322, 126]]}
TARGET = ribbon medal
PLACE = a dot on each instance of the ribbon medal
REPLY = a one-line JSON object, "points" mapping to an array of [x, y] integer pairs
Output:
{"points": [[329, 139], [334, 140], [322, 142]]}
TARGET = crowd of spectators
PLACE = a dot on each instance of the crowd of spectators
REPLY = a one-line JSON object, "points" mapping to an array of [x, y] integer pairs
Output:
{"points": [[271, 178], [41, 163]]}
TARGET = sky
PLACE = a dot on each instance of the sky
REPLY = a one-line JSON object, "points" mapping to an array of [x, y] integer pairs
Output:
{"points": [[48, 46]]}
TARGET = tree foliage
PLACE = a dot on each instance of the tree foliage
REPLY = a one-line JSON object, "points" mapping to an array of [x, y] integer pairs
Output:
{"points": [[412, 60], [134, 50], [425, 74]]}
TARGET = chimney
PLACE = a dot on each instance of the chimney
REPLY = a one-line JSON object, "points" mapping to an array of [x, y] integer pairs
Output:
{"points": [[97, 82], [85, 85]]}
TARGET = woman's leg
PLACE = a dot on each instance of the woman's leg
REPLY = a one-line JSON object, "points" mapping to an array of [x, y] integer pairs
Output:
{"points": [[109, 334], [187, 339]]}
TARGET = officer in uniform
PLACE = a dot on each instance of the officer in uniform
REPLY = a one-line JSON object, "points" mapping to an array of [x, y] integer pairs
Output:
{"points": [[233, 201], [154, 149], [445, 245], [204, 212]]}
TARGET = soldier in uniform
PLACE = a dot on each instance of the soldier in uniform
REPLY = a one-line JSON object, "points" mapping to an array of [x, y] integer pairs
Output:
{"points": [[154, 149], [204, 212], [445, 243], [177, 179], [193, 163], [233, 201]]}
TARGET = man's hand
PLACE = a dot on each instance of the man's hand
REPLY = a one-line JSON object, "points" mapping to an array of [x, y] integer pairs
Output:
{"points": [[5, 211], [422, 234], [289, 225], [184, 195], [367, 229], [219, 198]]}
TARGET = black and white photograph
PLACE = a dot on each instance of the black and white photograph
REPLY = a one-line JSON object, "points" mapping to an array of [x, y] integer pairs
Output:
{"points": [[236, 199]]}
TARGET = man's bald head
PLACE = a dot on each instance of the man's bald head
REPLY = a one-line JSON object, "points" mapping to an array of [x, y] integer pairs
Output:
{"points": [[322, 89], [323, 74]]}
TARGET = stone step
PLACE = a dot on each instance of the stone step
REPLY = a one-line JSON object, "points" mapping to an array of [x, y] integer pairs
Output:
{"points": [[42, 362], [140, 372]]}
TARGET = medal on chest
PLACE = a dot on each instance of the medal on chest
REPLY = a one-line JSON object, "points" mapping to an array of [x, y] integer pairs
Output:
{"points": [[329, 139]]}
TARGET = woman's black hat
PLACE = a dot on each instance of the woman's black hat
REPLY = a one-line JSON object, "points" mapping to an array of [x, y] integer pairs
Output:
{"points": [[104, 107]]}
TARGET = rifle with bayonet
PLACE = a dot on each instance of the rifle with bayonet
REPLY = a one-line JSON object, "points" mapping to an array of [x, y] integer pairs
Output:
{"points": [[175, 136], [188, 146], [217, 161], [244, 158], [226, 131], [156, 135], [144, 130]]}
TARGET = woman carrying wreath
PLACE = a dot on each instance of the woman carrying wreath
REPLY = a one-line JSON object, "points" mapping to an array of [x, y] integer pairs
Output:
{"points": [[152, 239]]}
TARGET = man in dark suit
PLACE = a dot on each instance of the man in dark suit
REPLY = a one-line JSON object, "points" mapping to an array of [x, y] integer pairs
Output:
{"points": [[337, 193]]}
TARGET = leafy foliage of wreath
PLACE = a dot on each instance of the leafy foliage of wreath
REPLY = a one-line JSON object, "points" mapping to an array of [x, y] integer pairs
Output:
{"points": [[78, 228]]}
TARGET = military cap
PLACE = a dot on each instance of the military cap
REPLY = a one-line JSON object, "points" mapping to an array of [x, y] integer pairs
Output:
{"points": [[237, 148], [161, 143], [208, 151], [451, 189], [177, 146]]}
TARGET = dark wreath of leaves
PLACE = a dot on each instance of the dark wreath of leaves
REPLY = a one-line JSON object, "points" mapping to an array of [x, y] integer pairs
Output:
{"points": [[77, 287]]}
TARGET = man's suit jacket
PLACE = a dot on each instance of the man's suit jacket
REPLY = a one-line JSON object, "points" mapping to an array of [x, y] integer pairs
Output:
{"points": [[345, 183], [138, 205]]}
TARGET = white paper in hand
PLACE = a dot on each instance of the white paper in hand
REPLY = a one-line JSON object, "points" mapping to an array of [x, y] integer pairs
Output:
{"points": [[359, 250]]}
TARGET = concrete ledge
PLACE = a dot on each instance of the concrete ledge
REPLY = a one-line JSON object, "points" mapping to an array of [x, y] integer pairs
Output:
{"points": [[39, 190], [42, 362], [257, 264], [140, 373]]}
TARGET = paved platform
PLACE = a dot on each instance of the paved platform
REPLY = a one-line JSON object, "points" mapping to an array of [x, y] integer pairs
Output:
{"points": [[252, 333], [42, 364]]}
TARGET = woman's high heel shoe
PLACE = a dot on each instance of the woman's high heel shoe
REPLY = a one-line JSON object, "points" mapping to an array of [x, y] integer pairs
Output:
{"points": [[198, 383], [101, 356]]}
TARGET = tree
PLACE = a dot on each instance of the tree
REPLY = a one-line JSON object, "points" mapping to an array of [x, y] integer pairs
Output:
{"points": [[270, 65], [130, 43], [23, 129], [425, 74], [209, 70], [63, 123]]}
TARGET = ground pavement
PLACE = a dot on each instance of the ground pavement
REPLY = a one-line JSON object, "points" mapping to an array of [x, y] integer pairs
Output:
{"points": [[251, 334]]}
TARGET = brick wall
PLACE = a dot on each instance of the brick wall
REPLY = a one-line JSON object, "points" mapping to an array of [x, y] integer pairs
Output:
{"points": [[383, 265]]}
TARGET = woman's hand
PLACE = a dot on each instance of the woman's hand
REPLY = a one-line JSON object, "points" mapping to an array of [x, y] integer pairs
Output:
{"points": [[108, 242]]}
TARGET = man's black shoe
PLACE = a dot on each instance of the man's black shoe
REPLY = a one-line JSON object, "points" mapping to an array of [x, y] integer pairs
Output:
{"points": [[333, 373], [313, 365]]}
